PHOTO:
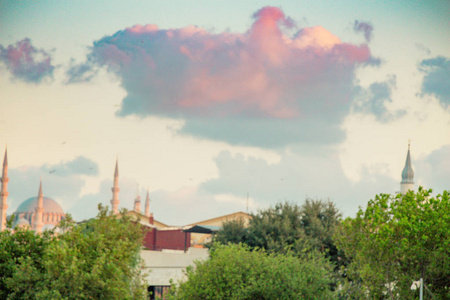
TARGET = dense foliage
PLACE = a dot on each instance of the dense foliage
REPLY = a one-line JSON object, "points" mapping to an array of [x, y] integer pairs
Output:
{"points": [[288, 227], [234, 271], [396, 240], [97, 259]]}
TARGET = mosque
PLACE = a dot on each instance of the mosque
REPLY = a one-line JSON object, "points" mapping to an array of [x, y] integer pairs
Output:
{"points": [[40, 213]]}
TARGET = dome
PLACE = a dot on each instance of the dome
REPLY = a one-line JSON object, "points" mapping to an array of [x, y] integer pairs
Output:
{"points": [[30, 205]]}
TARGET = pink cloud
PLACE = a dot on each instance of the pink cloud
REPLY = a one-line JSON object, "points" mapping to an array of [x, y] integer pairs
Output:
{"points": [[264, 73], [26, 62]]}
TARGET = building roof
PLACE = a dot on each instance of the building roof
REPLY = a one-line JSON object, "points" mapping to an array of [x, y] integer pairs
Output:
{"points": [[30, 205], [202, 229], [221, 219]]}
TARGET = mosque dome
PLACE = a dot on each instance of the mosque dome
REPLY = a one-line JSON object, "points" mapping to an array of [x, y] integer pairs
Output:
{"points": [[30, 205], [51, 216]]}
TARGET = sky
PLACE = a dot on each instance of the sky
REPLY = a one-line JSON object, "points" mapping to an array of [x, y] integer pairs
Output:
{"points": [[215, 107]]}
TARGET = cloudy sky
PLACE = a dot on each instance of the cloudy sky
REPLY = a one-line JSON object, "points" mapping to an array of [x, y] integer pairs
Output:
{"points": [[211, 105]]}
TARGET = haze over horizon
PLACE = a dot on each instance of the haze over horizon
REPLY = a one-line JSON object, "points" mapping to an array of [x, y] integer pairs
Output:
{"points": [[206, 102]]}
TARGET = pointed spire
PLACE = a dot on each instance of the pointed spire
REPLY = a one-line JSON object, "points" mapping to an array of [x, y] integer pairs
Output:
{"points": [[38, 223], [5, 164], [4, 192], [407, 182], [408, 173], [116, 172], [40, 194], [5, 159], [147, 205], [115, 190]]}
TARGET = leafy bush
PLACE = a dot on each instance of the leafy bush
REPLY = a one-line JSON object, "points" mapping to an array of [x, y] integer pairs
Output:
{"points": [[236, 272]]}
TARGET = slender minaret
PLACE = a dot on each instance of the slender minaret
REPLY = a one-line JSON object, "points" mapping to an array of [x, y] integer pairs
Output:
{"points": [[115, 189], [147, 205], [137, 202], [4, 192], [38, 224], [407, 175]]}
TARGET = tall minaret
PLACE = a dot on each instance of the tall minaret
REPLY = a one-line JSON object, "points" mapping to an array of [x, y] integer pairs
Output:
{"points": [[407, 175], [147, 205], [38, 224], [137, 202], [115, 189], [4, 192]]}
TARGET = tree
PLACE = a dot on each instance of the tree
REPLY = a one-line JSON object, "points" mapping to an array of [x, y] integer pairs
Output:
{"points": [[21, 249], [320, 220], [396, 240], [288, 226], [97, 259], [234, 271], [233, 231]]}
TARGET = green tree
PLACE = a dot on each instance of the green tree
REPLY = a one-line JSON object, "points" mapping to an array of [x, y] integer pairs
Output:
{"points": [[97, 259], [22, 249], [320, 220], [288, 226], [396, 240], [234, 271], [233, 231]]}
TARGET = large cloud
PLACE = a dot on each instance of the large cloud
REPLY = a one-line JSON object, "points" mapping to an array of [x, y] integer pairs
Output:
{"points": [[27, 63], [239, 80], [437, 78]]}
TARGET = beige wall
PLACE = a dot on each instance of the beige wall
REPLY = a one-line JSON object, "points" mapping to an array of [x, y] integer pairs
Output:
{"points": [[169, 264]]}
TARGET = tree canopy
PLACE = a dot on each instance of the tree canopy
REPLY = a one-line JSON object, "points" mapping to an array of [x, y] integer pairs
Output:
{"points": [[235, 271], [97, 259], [287, 227], [395, 240]]}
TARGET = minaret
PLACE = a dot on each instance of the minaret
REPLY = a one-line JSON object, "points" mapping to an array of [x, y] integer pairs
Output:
{"points": [[147, 205], [137, 202], [407, 175], [38, 224], [115, 189], [4, 192]]}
